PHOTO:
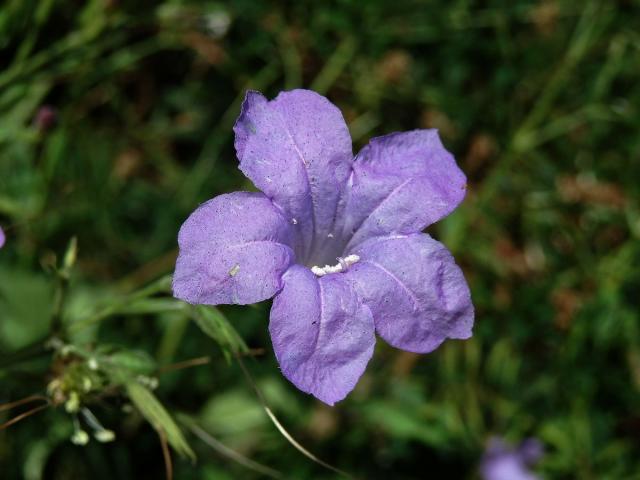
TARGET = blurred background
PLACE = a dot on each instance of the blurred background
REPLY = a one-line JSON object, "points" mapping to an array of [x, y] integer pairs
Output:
{"points": [[116, 122]]}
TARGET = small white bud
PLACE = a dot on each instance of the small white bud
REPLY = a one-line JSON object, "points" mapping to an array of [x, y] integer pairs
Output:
{"points": [[92, 363], [87, 384], [53, 386], [149, 382], [104, 436], [72, 405], [80, 437], [67, 350]]}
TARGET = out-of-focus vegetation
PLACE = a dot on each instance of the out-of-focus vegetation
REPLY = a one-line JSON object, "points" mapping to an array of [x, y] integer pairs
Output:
{"points": [[115, 122]]}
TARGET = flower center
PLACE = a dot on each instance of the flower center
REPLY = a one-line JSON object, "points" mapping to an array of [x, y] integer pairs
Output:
{"points": [[342, 266]]}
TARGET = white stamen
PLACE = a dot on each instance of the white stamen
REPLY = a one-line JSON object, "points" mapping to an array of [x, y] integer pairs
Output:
{"points": [[330, 235], [342, 265], [294, 221]]}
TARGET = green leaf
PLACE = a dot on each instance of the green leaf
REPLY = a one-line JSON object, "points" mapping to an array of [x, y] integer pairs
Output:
{"points": [[149, 306], [213, 323], [402, 423], [25, 305], [153, 411], [134, 361], [235, 414], [70, 257]]}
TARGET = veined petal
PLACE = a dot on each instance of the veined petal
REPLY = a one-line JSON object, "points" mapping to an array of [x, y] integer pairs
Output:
{"points": [[233, 249], [401, 183], [417, 294], [297, 150], [323, 336]]}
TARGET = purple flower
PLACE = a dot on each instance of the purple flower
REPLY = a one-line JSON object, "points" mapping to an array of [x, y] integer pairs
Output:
{"points": [[336, 239], [45, 118], [502, 462], [2, 238]]}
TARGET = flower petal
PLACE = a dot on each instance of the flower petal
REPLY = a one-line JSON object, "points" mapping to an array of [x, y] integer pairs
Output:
{"points": [[401, 183], [233, 249], [297, 150], [416, 293], [323, 336]]}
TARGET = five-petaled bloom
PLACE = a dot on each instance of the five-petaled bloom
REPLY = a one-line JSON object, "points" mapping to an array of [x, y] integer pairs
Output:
{"points": [[336, 239]]}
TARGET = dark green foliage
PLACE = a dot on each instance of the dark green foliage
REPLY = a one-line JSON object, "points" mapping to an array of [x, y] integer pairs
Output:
{"points": [[539, 101]]}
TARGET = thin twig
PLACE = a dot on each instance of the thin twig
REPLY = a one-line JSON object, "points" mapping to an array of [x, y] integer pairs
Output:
{"points": [[166, 454], [24, 415], [17, 403], [252, 352], [222, 449], [281, 429], [194, 362]]}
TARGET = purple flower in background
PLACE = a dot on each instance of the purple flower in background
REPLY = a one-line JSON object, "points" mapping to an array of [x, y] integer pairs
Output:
{"points": [[2, 238], [502, 462], [336, 239], [45, 118]]}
